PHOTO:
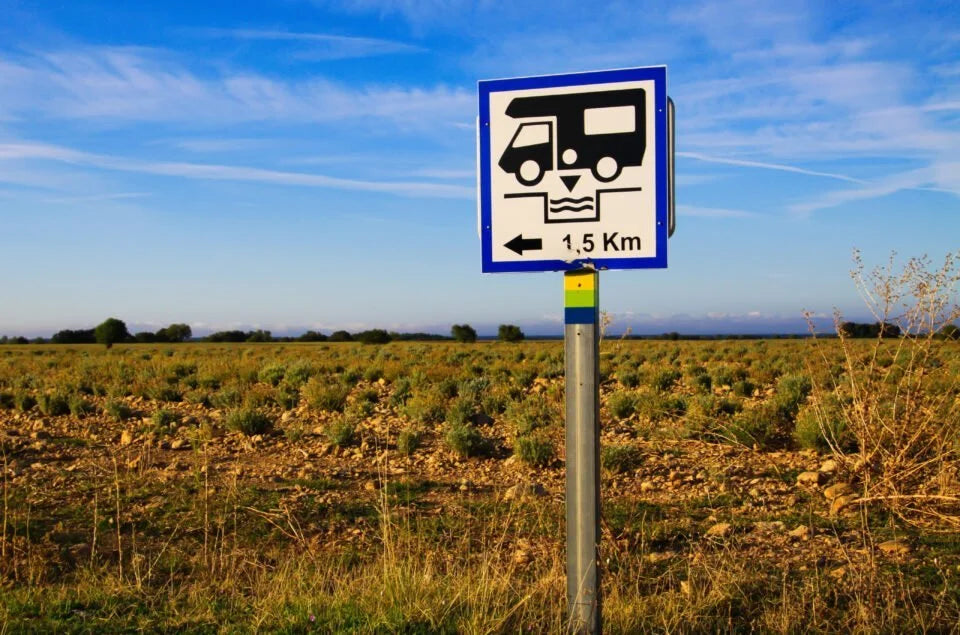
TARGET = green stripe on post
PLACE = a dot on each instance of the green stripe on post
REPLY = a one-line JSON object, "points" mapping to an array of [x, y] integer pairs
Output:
{"points": [[580, 298]]}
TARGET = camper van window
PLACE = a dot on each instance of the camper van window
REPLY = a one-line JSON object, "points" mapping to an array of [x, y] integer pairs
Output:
{"points": [[531, 134], [612, 120]]}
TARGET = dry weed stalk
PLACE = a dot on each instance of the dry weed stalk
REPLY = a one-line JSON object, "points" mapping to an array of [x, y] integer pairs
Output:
{"points": [[898, 399]]}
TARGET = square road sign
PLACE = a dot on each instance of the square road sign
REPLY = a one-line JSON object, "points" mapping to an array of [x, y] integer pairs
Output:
{"points": [[574, 171]]}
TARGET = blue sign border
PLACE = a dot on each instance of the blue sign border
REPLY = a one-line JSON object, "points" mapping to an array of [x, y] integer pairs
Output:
{"points": [[659, 76]]}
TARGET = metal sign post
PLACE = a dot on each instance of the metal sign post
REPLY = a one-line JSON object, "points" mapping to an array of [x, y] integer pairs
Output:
{"points": [[575, 174], [582, 351]]}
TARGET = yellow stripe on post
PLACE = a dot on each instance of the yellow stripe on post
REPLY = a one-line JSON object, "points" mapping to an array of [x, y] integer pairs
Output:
{"points": [[578, 281]]}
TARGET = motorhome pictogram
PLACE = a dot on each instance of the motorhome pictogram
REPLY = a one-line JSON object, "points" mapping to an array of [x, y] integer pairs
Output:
{"points": [[603, 131]]}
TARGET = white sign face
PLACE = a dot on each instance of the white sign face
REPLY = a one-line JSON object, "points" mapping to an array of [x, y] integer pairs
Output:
{"points": [[573, 171]]}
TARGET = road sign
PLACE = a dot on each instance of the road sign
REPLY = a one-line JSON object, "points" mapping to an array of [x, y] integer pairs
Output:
{"points": [[574, 171]]}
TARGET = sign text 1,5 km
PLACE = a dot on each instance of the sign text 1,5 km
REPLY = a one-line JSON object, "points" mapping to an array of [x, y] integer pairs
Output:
{"points": [[574, 171]]}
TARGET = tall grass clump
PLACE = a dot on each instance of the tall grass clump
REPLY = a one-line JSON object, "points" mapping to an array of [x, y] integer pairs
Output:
{"points": [[249, 421], [897, 398]]}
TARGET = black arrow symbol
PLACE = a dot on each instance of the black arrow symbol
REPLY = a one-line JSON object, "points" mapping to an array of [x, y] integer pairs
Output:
{"points": [[520, 243]]}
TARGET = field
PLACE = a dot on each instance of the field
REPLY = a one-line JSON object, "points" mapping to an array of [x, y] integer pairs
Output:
{"points": [[418, 487]]}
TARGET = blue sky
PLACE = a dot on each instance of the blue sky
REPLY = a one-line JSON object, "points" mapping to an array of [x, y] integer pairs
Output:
{"points": [[310, 164]]}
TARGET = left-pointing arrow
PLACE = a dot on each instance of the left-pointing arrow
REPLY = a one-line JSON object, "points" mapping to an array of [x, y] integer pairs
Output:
{"points": [[520, 244]]}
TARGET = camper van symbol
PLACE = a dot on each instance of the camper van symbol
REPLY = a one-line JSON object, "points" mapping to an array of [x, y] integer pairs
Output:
{"points": [[603, 131]]}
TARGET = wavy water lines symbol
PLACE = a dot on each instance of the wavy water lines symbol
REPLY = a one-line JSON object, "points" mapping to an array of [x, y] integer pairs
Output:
{"points": [[571, 204]]}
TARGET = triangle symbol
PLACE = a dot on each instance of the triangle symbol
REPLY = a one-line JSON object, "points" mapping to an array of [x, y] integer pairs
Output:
{"points": [[570, 181]]}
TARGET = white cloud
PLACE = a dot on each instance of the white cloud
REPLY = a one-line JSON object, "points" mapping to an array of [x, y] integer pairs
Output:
{"points": [[317, 46], [145, 85], [204, 171], [766, 166]]}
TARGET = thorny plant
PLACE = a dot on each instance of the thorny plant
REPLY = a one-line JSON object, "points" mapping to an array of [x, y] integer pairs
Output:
{"points": [[899, 402]]}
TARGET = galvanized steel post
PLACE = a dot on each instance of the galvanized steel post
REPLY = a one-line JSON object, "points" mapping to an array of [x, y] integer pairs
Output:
{"points": [[582, 352]]}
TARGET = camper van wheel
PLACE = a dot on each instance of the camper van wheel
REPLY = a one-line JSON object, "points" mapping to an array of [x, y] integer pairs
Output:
{"points": [[529, 173], [606, 169]]}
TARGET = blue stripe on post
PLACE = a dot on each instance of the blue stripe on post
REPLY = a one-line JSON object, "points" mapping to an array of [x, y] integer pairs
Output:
{"points": [[580, 315]]}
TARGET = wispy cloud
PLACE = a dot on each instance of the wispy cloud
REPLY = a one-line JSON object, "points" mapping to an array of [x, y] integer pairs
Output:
{"points": [[146, 85], [321, 46], [944, 177], [94, 198], [214, 172], [766, 166]]}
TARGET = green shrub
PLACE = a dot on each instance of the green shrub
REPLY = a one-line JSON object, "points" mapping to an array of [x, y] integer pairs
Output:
{"points": [[162, 419], [460, 412], [792, 391], [628, 378], [494, 403], [272, 374], [24, 401], [534, 450], [401, 392], [665, 379], [287, 397], [474, 389], [248, 421], [622, 405], [702, 382], [818, 429], [118, 410], [7, 401], [53, 405], [466, 440], [426, 407], [657, 407], [619, 458], [166, 393], [342, 432], [530, 414], [372, 374], [743, 388], [328, 397], [351, 376], [80, 407], [369, 395], [408, 441], [299, 373], [760, 426]]}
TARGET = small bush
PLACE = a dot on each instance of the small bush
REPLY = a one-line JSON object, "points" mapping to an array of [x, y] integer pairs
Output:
{"points": [[372, 374], [6, 401], [530, 414], [287, 397], [322, 396], [162, 419], [759, 426], [466, 441], [494, 403], [665, 379], [299, 373], [460, 412], [426, 407], [248, 421], [53, 405], [80, 407], [534, 450], [341, 432], [272, 374], [628, 378], [702, 383], [118, 410], [823, 427], [408, 441], [622, 405], [24, 401], [743, 388], [166, 393], [619, 458], [401, 392]]}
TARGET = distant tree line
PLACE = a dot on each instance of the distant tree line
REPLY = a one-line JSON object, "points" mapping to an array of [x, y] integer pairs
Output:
{"points": [[113, 331], [869, 331]]}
